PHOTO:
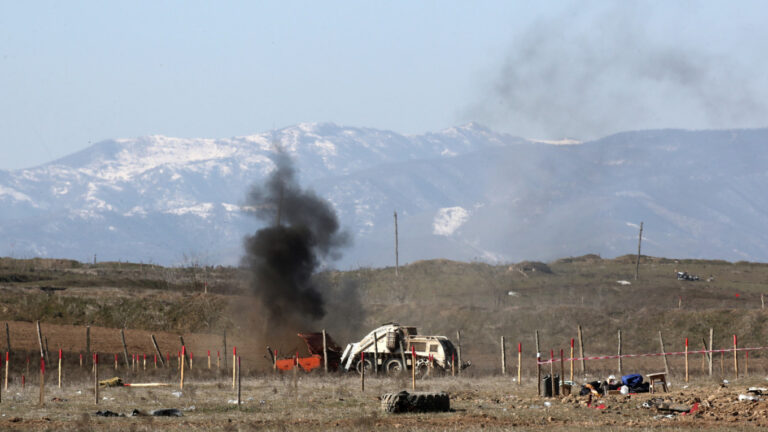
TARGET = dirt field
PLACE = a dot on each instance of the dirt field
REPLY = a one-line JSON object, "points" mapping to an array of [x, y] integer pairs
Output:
{"points": [[315, 402]]}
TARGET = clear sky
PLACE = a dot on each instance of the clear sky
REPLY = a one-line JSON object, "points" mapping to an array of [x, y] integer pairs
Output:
{"points": [[74, 73]]}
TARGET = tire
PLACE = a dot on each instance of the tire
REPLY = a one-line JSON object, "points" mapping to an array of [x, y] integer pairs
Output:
{"points": [[415, 402], [368, 367], [394, 367]]}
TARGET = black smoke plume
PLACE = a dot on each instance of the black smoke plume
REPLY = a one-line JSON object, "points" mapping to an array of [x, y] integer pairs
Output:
{"points": [[302, 233]]}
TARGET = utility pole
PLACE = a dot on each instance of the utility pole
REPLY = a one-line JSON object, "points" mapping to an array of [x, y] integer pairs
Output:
{"points": [[397, 257], [639, 243]]}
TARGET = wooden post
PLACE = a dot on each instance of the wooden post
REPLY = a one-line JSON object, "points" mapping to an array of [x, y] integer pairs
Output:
{"points": [[413, 368], [7, 338], [397, 257], [234, 364], [88, 340], [81, 360], [47, 351], [619, 354], [191, 360], [274, 361], [209, 359], [722, 363], [552, 371], [458, 348], [218, 359], [375, 354], [679, 302], [453, 365], [664, 354], [639, 243], [157, 350], [59, 367], [704, 357], [224, 341], [746, 363], [181, 357], [519, 362], [40, 340], [538, 365], [562, 366], [325, 353], [362, 371], [239, 382], [125, 347], [762, 302], [686, 359], [581, 352], [571, 359], [7, 364], [186, 355], [96, 378], [115, 361], [42, 378], [503, 358], [145, 362], [735, 359], [711, 338]]}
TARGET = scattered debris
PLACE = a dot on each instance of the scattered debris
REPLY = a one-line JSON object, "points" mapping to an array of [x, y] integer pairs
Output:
{"points": [[683, 276], [108, 413], [623, 282], [751, 398], [111, 382]]}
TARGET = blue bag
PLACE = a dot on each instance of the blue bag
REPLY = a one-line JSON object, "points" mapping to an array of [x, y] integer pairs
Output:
{"points": [[632, 380]]}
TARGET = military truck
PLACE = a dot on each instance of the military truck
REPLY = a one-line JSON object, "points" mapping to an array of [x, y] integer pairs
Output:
{"points": [[392, 344]]}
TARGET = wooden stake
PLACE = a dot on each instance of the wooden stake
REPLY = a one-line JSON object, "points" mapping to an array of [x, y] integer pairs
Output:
{"points": [[538, 365], [762, 302], [362, 371], [59, 368], [397, 257], [115, 361], [453, 365], [96, 378], [239, 383], [639, 243], [458, 340], [157, 350], [218, 359], [552, 371], [746, 363], [375, 354], [234, 364], [209, 359], [274, 361], [186, 356], [711, 338], [125, 347], [325, 353], [413, 367], [191, 360], [181, 358], [519, 362], [7, 364], [664, 354], [145, 361], [7, 338], [722, 363], [679, 302], [88, 340], [571, 359], [735, 359], [47, 351], [503, 358], [224, 341], [42, 378], [40, 340], [562, 366], [619, 353], [686, 359], [581, 352]]}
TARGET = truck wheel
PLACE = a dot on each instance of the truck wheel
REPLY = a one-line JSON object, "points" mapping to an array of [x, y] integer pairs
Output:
{"points": [[368, 367], [393, 367]]}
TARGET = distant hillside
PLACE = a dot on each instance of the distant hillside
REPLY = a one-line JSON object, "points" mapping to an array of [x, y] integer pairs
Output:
{"points": [[439, 296], [465, 193]]}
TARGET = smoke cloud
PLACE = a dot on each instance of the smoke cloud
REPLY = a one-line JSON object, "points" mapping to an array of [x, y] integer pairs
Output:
{"points": [[585, 75], [302, 233]]}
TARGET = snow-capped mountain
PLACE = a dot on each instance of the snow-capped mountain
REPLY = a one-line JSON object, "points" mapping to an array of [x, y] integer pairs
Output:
{"points": [[462, 193]]}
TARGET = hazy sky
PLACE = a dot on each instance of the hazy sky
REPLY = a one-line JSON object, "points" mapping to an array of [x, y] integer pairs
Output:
{"points": [[74, 73]]}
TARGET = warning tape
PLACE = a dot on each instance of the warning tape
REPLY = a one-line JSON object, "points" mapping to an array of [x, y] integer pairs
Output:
{"points": [[608, 357]]}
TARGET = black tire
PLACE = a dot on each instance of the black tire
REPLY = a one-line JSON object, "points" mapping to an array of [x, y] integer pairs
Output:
{"points": [[368, 367], [394, 367]]}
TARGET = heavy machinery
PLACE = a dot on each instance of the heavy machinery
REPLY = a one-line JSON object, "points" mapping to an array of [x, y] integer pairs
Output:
{"points": [[392, 345], [314, 361]]}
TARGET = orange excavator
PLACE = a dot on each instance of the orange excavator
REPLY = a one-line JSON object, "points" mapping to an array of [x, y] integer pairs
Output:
{"points": [[314, 361]]}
